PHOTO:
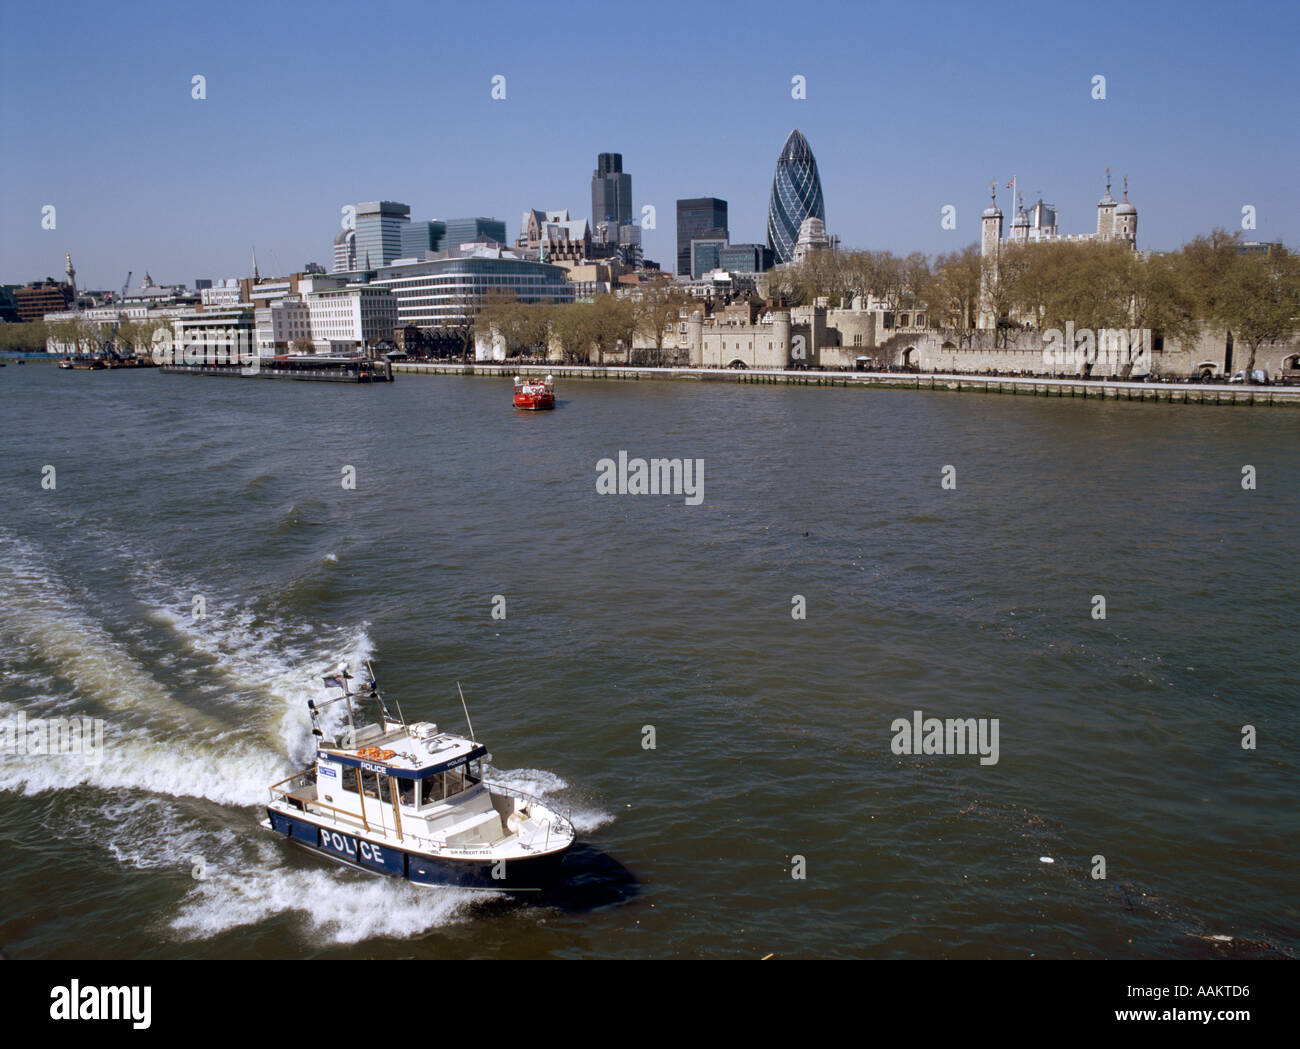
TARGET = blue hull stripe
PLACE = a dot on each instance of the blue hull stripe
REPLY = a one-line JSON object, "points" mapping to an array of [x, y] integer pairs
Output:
{"points": [[354, 851]]}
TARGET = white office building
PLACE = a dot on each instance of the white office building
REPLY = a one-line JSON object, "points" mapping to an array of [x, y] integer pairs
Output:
{"points": [[350, 318], [281, 323]]}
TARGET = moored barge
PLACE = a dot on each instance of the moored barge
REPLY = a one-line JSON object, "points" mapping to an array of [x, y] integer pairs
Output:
{"points": [[318, 368]]}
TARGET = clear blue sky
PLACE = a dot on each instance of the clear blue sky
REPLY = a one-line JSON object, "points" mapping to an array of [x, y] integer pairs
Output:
{"points": [[909, 107]]}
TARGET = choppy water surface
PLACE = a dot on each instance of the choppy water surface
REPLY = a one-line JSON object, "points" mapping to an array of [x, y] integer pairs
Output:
{"points": [[1118, 737]]}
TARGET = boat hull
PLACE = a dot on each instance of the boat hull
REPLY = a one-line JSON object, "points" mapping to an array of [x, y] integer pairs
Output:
{"points": [[520, 875], [534, 404]]}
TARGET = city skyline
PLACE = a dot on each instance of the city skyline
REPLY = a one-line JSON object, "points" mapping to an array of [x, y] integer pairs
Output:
{"points": [[215, 177]]}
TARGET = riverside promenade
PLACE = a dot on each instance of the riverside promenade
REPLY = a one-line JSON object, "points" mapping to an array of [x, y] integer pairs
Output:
{"points": [[1094, 389]]}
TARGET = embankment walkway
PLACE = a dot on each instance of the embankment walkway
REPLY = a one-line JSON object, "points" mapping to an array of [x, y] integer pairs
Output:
{"points": [[1095, 389]]}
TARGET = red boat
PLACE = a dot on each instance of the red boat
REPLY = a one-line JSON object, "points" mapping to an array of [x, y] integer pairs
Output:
{"points": [[534, 394]]}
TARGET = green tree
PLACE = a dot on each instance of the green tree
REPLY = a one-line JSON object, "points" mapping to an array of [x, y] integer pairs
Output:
{"points": [[614, 324], [1163, 300], [575, 328], [952, 289], [1255, 296], [656, 312]]}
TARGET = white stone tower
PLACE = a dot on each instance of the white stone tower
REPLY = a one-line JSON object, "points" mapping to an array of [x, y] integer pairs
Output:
{"points": [[781, 334], [1106, 212], [695, 329], [990, 244], [1126, 219]]}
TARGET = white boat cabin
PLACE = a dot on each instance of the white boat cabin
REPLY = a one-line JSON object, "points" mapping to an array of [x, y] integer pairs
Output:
{"points": [[412, 781]]}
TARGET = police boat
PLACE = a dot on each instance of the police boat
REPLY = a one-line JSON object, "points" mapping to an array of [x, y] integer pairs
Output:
{"points": [[410, 801]]}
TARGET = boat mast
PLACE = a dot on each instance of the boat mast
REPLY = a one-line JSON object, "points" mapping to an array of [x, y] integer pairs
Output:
{"points": [[347, 698], [466, 709]]}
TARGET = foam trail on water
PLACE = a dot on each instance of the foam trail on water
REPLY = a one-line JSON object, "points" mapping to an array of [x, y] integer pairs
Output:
{"points": [[339, 906], [282, 676], [245, 880], [40, 614], [222, 768], [261, 658], [153, 834]]}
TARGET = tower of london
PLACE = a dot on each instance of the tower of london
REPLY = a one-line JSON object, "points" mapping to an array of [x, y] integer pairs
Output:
{"points": [[1116, 221]]}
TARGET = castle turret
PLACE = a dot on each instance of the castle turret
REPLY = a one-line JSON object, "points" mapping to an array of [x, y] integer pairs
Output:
{"points": [[781, 337], [1126, 218], [991, 227], [695, 339], [1106, 211], [990, 243], [1020, 228]]}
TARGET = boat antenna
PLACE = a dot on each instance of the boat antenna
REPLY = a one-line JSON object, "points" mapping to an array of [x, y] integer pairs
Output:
{"points": [[466, 709]]}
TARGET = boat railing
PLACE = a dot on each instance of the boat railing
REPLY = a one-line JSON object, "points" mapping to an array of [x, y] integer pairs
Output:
{"points": [[283, 791], [279, 791], [559, 822], [298, 779]]}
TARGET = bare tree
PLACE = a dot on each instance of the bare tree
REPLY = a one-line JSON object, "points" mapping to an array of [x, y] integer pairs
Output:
{"points": [[656, 312]]}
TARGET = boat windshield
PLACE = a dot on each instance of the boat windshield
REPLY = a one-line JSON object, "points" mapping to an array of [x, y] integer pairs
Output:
{"points": [[460, 777]]}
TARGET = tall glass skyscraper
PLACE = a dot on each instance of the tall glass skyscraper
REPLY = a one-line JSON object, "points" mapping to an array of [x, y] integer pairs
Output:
{"points": [[379, 231], [796, 195], [611, 194], [698, 218]]}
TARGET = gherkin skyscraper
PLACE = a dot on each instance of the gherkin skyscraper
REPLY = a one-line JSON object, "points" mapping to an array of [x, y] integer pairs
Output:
{"points": [[796, 195]]}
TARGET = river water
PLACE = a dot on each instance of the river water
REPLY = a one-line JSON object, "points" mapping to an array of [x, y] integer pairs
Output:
{"points": [[632, 619]]}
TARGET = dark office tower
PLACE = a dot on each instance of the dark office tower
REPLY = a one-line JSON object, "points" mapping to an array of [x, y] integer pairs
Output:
{"points": [[796, 195], [611, 195], [419, 237], [467, 231], [699, 218]]}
